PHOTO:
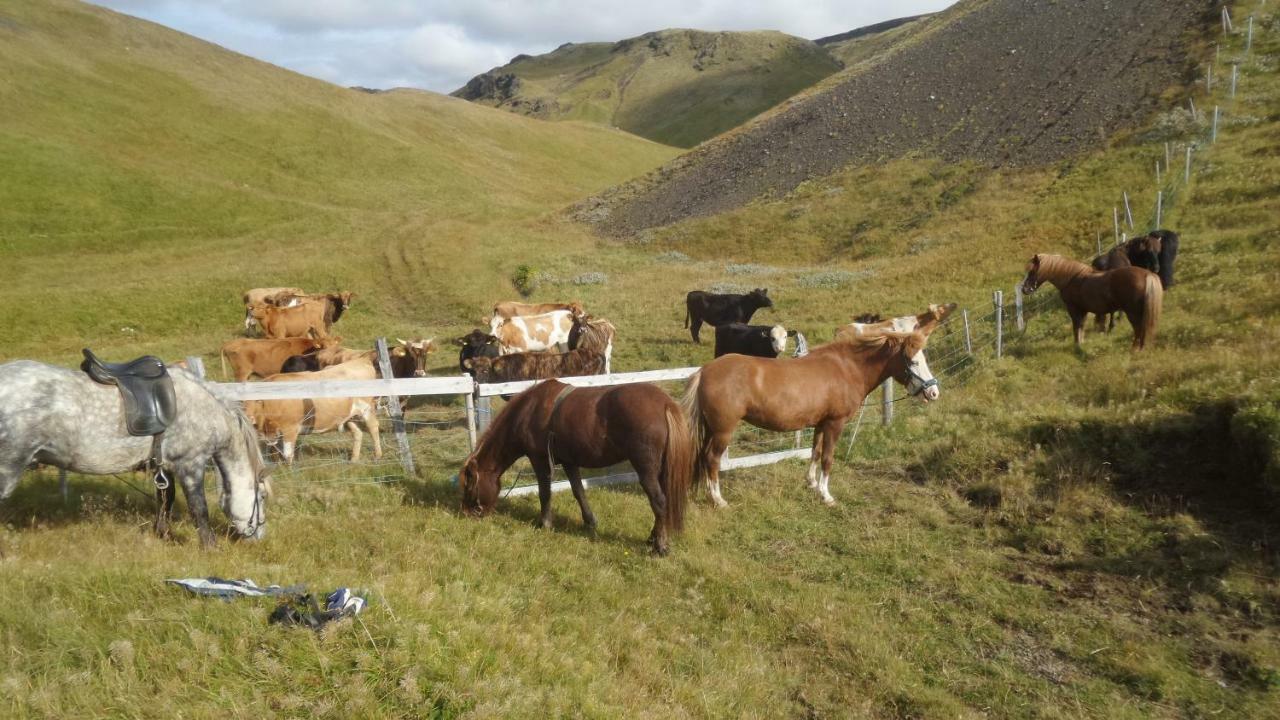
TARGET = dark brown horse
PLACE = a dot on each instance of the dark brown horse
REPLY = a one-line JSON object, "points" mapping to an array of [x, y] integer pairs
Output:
{"points": [[1133, 290], [587, 427], [1144, 252], [821, 390]]}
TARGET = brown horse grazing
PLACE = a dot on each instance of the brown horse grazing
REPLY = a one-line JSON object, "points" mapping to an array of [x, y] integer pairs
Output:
{"points": [[587, 427], [1133, 290], [821, 390]]}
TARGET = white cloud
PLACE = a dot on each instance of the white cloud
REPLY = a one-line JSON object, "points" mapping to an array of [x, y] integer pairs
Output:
{"points": [[440, 44]]}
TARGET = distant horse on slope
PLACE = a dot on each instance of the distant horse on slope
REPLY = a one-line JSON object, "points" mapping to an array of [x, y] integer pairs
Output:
{"points": [[1135, 291]]}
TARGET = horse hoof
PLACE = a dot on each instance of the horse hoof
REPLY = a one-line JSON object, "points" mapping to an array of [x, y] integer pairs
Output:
{"points": [[661, 551], [829, 502]]}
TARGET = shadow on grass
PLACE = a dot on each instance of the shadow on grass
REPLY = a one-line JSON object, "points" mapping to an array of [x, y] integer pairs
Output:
{"points": [[38, 499], [1189, 463]]}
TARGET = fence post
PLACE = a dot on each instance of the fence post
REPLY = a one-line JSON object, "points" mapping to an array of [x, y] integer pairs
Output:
{"points": [[471, 421], [484, 413], [799, 437], [1195, 116], [1208, 79], [1159, 207], [1115, 219], [1017, 304], [887, 402], [1128, 213], [1168, 162], [1214, 136], [1187, 174], [999, 302], [1157, 173], [1098, 247], [393, 407], [196, 365], [1248, 41], [968, 340], [1235, 73]]}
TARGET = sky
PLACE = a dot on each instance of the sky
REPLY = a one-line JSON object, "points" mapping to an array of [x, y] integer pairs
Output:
{"points": [[440, 44]]}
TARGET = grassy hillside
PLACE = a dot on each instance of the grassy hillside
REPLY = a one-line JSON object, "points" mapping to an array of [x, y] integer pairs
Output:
{"points": [[677, 87], [1064, 534], [148, 176]]}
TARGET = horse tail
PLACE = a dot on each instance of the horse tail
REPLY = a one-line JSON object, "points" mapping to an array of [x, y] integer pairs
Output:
{"points": [[697, 427], [1153, 302], [678, 473]]}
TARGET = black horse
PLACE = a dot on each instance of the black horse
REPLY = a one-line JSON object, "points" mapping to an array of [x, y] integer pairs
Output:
{"points": [[716, 310], [1156, 251]]}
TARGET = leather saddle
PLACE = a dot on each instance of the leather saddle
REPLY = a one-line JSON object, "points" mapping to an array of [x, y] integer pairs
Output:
{"points": [[150, 404]]}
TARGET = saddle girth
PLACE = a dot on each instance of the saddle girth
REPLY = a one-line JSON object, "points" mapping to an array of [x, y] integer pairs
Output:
{"points": [[551, 421]]}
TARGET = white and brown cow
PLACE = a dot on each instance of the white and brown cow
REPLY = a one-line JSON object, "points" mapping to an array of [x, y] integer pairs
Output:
{"points": [[265, 296], [535, 333]]}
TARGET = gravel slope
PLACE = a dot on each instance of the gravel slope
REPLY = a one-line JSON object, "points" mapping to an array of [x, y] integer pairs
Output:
{"points": [[1004, 82]]}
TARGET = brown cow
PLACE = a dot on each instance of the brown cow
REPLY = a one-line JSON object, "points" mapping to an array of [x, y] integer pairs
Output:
{"points": [[286, 419], [508, 309], [264, 357], [535, 366], [314, 316], [264, 296]]}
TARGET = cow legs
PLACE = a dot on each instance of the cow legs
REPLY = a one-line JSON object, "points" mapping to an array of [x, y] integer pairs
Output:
{"points": [[694, 327], [714, 450], [357, 439], [830, 436], [579, 494], [375, 430], [191, 475]]}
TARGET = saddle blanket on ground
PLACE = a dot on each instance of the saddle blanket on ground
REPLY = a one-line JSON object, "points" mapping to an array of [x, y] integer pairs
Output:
{"points": [[227, 589]]}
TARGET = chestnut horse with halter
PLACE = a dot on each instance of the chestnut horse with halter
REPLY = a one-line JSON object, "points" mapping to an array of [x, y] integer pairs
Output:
{"points": [[821, 390], [1084, 290], [587, 427]]}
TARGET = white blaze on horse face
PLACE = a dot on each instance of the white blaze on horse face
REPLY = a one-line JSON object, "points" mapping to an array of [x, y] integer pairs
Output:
{"points": [[922, 376], [778, 336]]}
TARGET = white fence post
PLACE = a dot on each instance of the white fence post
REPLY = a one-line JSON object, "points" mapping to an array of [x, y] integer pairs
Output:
{"points": [[1159, 207], [1017, 304], [887, 402], [195, 364], [471, 420], [1235, 73], [1168, 162], [393, 408], [968, 340], [484, 415], [999, 303], [1248, 41], [1115, 219], [1187, 173], [1214, 136], [1128, 213]]}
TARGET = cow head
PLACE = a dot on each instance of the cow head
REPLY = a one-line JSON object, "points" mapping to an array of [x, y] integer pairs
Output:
{"points": [[778, 339], [418, 349], [476, 344], [479, 367], [760, 298]]}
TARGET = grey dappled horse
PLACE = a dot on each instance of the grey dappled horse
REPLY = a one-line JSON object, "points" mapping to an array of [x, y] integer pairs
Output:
{"points": [[61, 417]]}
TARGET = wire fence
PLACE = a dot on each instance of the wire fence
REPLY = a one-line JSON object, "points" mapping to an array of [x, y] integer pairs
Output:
{"points": [[438, 429]]}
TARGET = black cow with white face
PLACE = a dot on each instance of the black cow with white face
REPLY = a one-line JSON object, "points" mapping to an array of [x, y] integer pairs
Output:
{"points": [[717, 310], [477, 343]]}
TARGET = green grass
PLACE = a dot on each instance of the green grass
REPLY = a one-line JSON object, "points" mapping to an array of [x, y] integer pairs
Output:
{"points": [[1066, 534], [677, 87]]}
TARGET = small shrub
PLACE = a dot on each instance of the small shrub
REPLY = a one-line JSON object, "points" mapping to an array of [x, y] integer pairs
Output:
{"points": [[525, 280], [832, 278], [749, 269], [672, 256], [591, 278]]}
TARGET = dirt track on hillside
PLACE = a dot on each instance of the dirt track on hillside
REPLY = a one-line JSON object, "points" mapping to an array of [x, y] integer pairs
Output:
{"points": [[1004, 82]]}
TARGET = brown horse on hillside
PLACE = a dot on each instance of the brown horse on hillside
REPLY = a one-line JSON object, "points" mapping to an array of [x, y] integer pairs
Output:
{"points": [[821, 390], [587, 427], [1133, 290]]}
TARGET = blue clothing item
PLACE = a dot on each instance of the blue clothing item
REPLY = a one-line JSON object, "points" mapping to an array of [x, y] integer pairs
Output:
{"points": [[228, 589]]}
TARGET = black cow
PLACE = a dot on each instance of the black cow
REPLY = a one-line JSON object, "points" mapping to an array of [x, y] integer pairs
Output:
{"points": [[717, 310], [301, 363], [767, 341], [477, 343]]}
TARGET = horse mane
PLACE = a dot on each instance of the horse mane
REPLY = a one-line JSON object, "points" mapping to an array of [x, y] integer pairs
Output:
{"points": [[1056, 267], [870, 341], [242, 424]]}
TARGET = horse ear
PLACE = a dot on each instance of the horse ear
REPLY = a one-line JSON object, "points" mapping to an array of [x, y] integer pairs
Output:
{"points": [[468, 364]]}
